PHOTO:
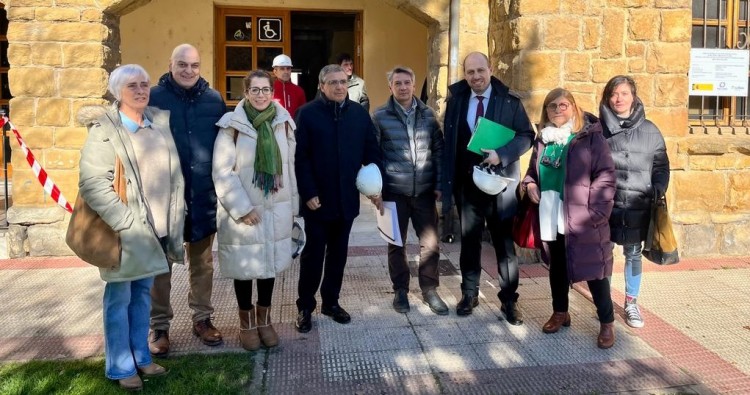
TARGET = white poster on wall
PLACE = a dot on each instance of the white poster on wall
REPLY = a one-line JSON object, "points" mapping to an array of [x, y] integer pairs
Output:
{"points": [[718, 72]]}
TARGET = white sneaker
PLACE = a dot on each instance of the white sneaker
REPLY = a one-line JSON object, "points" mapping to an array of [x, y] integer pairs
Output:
{"points": [[633, 313]]}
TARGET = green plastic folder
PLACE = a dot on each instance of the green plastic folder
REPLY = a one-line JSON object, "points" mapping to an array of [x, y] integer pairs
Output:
{"points": [[489, 135]]}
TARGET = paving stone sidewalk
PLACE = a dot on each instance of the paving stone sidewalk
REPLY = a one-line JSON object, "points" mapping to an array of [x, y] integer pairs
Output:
{"points": [[696, 339]]}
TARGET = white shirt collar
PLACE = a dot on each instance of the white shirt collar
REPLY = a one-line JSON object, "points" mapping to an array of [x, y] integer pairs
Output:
{"points": [[486, 94]]}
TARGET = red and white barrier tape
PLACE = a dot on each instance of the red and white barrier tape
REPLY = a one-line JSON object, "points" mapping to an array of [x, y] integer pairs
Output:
{"points": [[41, 174]]}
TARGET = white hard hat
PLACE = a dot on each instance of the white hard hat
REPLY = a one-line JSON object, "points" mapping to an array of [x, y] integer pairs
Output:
{"points": [[369, 181], [488, 181], [298, 237], [282, 60]]}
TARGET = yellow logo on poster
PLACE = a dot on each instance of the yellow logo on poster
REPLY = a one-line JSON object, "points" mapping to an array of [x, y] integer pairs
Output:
{"points": [[703, 87]]}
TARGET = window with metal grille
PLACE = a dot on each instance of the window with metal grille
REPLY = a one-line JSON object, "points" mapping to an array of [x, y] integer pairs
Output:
{"points": [[720, 24]]}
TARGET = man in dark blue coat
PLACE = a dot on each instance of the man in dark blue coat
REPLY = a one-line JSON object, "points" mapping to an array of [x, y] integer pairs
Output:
{"points": [[335, 138], [481, 95], [194, 110]]}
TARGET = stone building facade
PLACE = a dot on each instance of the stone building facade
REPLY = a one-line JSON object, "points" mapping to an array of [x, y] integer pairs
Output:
{"points": [[62, 50]]}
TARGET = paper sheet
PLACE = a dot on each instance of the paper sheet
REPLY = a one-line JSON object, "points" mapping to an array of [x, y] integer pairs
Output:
{"points": [[388, 224]]}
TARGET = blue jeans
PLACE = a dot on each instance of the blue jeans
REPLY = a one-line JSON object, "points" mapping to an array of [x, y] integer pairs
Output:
{"points": [[126, 314], [633, 269]]}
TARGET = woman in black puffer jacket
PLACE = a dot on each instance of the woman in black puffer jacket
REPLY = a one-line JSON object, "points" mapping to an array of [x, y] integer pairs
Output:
{"points": [[642, 169]]}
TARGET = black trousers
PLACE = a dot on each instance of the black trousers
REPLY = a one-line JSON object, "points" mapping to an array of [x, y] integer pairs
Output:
{"points": [[476, 208], [324, 256], [423, 214], [243, 290], [560, 285]]}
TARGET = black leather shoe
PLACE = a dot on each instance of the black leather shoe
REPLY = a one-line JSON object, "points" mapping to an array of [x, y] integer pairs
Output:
{"points": [[467, 304], [512, 313], [304, 321], [401, 301], [337, 313], [432, 299]]}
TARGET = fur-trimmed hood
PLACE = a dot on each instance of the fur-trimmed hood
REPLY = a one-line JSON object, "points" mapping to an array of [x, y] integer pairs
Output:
{"points": [[89, 115]]}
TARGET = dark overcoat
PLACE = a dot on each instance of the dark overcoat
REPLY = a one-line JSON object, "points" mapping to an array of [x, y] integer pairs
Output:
{"points": [[193, 114], [333, 142], [504, 108], [588, 198]]}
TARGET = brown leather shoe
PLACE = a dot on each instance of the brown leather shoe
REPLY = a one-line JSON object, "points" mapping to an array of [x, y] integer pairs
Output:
{"points": [[152, 370], [209, 335], [606, 337], [555, 322], [132, 383], [158, 343], [267, 334]]}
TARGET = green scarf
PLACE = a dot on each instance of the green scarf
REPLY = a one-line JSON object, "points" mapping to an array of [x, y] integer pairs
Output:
{"points": [[267, 155], [552, 166]]}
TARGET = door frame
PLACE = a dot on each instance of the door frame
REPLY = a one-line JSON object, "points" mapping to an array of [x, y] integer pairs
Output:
{"points": [[220, 42]]}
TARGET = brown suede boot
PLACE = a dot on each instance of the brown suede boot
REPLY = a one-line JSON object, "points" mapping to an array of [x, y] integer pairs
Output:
{"points": [[267, 334], [606, 337], [557, 321], [249, 330]]}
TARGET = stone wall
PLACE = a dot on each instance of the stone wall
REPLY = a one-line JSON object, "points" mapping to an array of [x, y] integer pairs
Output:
{"points": [[580, 44], [60, 53]]}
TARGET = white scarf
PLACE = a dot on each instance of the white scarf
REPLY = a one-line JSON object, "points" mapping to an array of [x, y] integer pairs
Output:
{"points": [[553, 134], [551, 208]]}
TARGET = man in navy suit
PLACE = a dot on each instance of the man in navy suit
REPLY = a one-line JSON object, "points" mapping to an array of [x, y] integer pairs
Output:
{"points": [[482, 95]]}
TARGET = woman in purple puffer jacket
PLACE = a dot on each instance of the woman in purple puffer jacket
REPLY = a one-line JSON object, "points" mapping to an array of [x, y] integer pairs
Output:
{"points": [[571, 177]]}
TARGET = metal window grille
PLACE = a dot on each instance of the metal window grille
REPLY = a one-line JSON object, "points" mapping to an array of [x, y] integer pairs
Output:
{"points": [[720, 24]]}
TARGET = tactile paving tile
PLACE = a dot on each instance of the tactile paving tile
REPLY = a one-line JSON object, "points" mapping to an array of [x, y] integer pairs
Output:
{"points": [[347, 340], [342, 366], [496, 355], [643, 376], [454, 358]]}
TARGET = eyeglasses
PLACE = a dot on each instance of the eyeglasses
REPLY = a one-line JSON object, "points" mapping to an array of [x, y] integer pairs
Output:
{"points": [[547, 161], [554, 106], [552, 156], [335, 82], [257, 91]]}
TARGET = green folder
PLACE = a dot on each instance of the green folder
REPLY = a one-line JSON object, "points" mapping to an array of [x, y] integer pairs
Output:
{"points": [[489, 135]]}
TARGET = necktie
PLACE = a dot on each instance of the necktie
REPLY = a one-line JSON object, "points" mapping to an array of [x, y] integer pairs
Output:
{"points": [[480, 109]]}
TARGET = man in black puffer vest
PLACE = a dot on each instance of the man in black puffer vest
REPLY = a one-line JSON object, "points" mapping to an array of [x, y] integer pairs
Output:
{"points": [[194, 110], [412, 146]]}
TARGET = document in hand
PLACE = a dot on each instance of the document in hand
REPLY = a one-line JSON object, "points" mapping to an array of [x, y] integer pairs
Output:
{"points": [[489, 135], [388, 224]]}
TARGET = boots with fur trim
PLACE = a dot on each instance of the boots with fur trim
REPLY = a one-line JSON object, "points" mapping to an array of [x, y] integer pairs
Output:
{"points": [[267, 334], [249, 330]]}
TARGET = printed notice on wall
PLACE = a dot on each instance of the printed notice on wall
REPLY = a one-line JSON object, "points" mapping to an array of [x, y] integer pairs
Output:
{"points": [[718, 72]]}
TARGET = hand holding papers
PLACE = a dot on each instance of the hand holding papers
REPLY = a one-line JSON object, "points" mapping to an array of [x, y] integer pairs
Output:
{"points": [[489, 135], [388, 224]]}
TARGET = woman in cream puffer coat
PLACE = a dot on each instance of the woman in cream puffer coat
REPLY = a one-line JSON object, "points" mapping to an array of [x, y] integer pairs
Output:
{"points": [[255, 221]]}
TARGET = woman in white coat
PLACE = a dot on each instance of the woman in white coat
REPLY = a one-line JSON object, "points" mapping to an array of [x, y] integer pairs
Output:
{"points": [[253, 171]]}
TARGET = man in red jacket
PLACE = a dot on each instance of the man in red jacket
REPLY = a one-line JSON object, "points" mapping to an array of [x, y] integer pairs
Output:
{"points": [[285, 91]]}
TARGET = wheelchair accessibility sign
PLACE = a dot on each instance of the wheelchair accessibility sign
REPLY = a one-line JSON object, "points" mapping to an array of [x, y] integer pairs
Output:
{"points": [[269, 29]]}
